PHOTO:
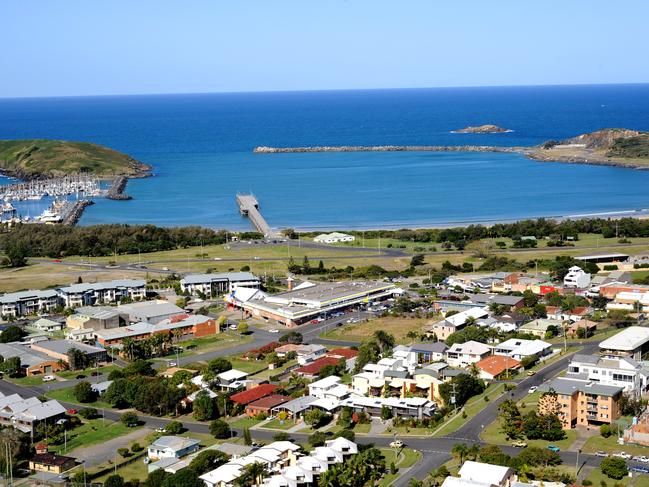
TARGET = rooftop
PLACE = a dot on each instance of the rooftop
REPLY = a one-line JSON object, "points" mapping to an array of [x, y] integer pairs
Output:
{"points": [[269, 402], [561, 385], [150, 309], [497, 364], [246, 397], [100, 286], [175, 443], [27, 295], [223, 276], [51, 459], [627, 340], [64, 346]]}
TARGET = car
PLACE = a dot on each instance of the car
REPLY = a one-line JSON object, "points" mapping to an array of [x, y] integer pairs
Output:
{"points": [[257, 258], [530, 373], [165, 269], [273, 330], [216, 258], [519, 444], [48, 378], [57, 261], [233, 327], [131, 425], [172, 364], [532, 390], [396, 444], [622, 454], [72, 411], [643, 459], [640, 469], [601, 454], [80, 376], [160, 430], [554, 448], [314, 322]]}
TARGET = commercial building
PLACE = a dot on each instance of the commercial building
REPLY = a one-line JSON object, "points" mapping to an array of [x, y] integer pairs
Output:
{"points": [[102, 292], [333, 237], [153, 312], [96, 318], [632, 342], [59, 349], [31, 361], [309, 300], [623, 372], [28, 302], [215, 284], [581, 403]]}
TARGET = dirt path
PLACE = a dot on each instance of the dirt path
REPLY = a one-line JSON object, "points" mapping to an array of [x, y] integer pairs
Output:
{"points": [[103, 452]]}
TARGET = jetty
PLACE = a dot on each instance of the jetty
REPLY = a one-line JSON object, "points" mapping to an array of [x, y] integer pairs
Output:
{"points": [[72, 211], [116, 189], [249, 206]]}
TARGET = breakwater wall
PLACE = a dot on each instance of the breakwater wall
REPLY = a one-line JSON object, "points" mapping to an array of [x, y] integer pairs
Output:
{"points": [[389, 148], [116, 189], [72, 211]]}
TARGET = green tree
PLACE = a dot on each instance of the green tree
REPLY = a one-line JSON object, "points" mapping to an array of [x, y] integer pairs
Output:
{"points": [[129, 418], [460, 451], [83, 392], [317, 439], [203, 406], [247, 437], [614, 468], [174, 428], [242, 327], [12, 334], [510, 420], [186, 477], [369, 351], [16, 255], [384, 339], [220, 429], [417, 260], [605, 430], [208, 460], [315, 418], [114, 480], [465, 388]]}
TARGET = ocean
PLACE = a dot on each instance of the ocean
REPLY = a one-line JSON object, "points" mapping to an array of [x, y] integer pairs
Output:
{"points": [[200, 147]]}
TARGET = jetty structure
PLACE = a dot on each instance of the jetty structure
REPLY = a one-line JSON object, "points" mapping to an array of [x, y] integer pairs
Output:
{"points": [[249, 206]]}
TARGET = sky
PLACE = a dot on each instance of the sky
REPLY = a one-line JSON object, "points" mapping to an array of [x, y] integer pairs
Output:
{"points": [[81, 47]]}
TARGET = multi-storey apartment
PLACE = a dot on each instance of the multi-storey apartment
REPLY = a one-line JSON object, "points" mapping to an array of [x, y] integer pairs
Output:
{"points": [[214, 284], [28, 302], [581, 403], [632, 376], [102, 292]]}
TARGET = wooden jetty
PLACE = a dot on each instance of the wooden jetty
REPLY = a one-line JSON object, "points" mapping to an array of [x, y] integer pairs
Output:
{"points": [[249, 206]]}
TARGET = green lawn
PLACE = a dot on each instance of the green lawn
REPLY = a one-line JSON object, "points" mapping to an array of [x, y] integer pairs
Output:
{"points": [[244, 422], [277, 424], [406, 458], [71, 374], [597, 443], [267, 373], [492, 435], [471, 408], [33, 380], [134, 470], [67, 395], [248, 366], [93, 432], [207, 344]]}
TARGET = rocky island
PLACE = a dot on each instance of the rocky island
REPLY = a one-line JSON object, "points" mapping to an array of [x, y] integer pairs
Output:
{"points": [[609, 147], [482, 129], [40, 158]]}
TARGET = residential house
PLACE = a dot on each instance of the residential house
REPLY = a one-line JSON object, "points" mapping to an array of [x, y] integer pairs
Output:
{"points": [[539, 327], [330, 387], [576, 278], [251, 395], [576, 314], [296, 407], [518, 348], [589, 327], [105, 292], [623, 372], [49, 462], [495, 366], [478, 474], [266, 404], [311, 370], [48, 325], [464, 354], [580, 402], [428, 352], [27, 414], [232, 379], [456, 322], [172, 447]]}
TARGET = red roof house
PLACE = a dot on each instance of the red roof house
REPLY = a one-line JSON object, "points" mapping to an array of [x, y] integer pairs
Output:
{"points": [[313, 369], [348, 353], [246, 397]]}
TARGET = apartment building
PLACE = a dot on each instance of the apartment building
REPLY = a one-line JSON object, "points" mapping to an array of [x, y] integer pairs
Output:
{"points": [[89, 294], [215, 284], [623, 372], [581, 403], [632, 342], [28, 302]]}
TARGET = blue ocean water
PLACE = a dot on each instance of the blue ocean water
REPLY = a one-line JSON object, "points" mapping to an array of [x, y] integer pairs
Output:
{"points": [[201, 149]]}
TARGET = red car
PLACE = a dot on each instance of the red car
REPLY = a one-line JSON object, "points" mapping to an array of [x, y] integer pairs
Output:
{"points": [[57, 261], [314, 322], [72, 411]]}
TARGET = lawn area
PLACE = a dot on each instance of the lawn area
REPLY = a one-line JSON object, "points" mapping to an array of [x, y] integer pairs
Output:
{"points": [[407, 458], [597, 443], [248, 366], [492, 435], [472, 407], [267, 373], [396, 326], [67, 395], [640, 275], [277, 424], [71, 374], [137, 469], [208, 344], [33, 380], [93, 432], [244, 422]]}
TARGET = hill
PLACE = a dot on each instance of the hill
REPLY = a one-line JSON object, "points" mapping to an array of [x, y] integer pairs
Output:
{"points": [[35, 158]]}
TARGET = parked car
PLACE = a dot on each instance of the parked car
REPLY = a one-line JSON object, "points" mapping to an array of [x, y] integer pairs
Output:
{"points": [[72, 411], [531, 373], [601, 454], [554, 448], [48, 378], [532, 389], [273, 330], [519, 444], [643, 459], [80, 376], [622, 454], [396, 444], [160, 430], [640, 469]]}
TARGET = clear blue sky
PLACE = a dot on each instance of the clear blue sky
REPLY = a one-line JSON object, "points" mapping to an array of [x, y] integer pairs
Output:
{"points": [[85, 47]]}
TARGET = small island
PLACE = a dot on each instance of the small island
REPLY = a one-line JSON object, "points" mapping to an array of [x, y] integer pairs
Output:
{"points": [[39, 158], [482, 129]]}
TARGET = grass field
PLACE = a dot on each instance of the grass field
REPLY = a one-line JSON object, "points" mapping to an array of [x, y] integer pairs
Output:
{"points": [[397, 326], [407, 458], [244, 422], [91, 433], [277, 424], [597, 443], [67, 395], [493, 436]]}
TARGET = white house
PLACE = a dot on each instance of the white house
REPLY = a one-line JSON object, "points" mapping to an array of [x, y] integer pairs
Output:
{"points": [[623, 372], [478, 474], [576, 278], [172, 447], [328, 388], [518, 348], [464, 354], [334, 237]]}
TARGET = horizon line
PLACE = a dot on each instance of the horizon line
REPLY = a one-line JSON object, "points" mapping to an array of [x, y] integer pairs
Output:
{"points": [[322, 90]]}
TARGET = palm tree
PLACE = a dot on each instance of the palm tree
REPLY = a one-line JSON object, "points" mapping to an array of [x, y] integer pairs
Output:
{"points": [[473, 452], [128, 347], [460, 451], [384, 339], [473, 370]]}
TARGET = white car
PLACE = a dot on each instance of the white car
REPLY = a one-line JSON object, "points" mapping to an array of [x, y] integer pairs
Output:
{"points": [[274, 330], [532, 389], [622, 454], [396, 444], [48, 378], [172, 364], [165, 269], [216, 258]]}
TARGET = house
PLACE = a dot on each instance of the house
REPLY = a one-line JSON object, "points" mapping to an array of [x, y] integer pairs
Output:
{"points": [[333, 237], [456, 322], [576, 278], [580, 402], [251, 395], [589, 327], [48, 325], [284, 350], [28, 302], [483, 474], [623, 372], [311, 371], [494, 366], [427, 352], [59, 349], [539, 327], [105, 292], [230, 379], [631, 342], [576, 314], [172, 447], [308, 353], [464, 354], [518, 348], [153, 312], [329, 388], [266, 404], [49, 462], [27, 414], [347, 354], [211, 285], [507, 301], [296, 407]]}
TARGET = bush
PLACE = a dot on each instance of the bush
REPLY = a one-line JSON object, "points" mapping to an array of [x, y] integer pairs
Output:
{"points": [[83, 392], [220, 429], [129, 418], [136, 447], [614, 468], [114, 481], [123, 452], [174, 428], [89, 413], [605, 430], [317, 439], [282, 436], [610, 267]]}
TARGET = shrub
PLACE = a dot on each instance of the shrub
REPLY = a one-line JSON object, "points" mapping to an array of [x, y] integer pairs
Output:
{"points": [[614, 468], [136, 447], [174, 428], [89, 413], [605, 430], [219, 429], [123, 452], [129, 418]]}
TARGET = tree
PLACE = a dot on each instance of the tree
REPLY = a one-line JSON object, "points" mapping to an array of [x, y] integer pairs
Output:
{"points": [[315, 418], [208, 460], [510, 420], [186, 477], [247, 437], [18, 444], [114, 480], [203, 406], [292, 337], [253, 474], [386, 413], [77, 360], [89, 413], [12, 334], [220, 429], [460, 451], [465, 388], [368, 352], [129, 418], [539, 457], [317, 439], [614, 468], [417, 260], [219, 365], [605, 430], [242, 327], [174, 428], [384, 339], [83, 392], [529, 361], [16, 255]]}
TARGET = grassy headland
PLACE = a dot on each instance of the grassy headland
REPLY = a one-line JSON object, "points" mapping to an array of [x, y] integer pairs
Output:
{"points": [[36, 158]]}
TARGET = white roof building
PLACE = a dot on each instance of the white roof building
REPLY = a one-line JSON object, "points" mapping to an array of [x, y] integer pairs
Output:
{"points": [[576, 278], [334, 237], [464, 354], [631, 342], [518, 348]]}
